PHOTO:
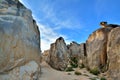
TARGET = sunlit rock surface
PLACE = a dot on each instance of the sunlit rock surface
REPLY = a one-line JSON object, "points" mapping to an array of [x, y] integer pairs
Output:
{"points": [[19, 40], [96, 48]]}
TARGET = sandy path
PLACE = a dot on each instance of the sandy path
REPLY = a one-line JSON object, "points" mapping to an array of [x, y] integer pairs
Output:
{"points": [[50, 74]]}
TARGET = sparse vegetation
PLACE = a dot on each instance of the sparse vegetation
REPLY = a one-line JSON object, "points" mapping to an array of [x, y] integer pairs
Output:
{"points": [[102, 78], [95, 71], [93, 78], [86, 75], [77, 73], [81, 66], [74, 62], [69, 69]]}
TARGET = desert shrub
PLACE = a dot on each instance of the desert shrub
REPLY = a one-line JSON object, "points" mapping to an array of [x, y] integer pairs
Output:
{"points": [[93, 79], [77, 73], [94, 71], [69, 69], [85, 75], [102, 78], [74, 62], [81, 66]]}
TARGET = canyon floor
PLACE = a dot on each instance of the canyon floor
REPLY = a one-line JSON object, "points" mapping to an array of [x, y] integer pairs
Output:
{"points": [[48, 73]]}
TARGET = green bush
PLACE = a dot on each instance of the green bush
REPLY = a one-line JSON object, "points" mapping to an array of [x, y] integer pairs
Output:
{"points": [[93, 78], [95, 71], [74, 62], [69, 69], [81, 66], [77, 73], [102, 78]]}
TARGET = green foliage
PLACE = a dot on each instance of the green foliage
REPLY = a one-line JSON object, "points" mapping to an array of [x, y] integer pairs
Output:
{"points": [[93, 78], [74, 62], [69, 69], [95, 71], [85, 75], [77, 73], [102, 78], [81, 66]]}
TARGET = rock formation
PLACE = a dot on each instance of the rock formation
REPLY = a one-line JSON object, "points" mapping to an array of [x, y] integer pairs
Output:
{"points": [[96, 48], [19, 42], [113, 52], [58, 54], [100, 52], [78, 51]]}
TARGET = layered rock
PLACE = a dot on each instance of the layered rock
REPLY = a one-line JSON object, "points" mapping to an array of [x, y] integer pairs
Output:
{"points": [[58, 54], [113, 50], [19, 42], [96, 48]]}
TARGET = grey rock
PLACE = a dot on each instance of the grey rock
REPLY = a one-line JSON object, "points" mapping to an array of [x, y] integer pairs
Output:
{"points": [[20, 37], [58, 54]]}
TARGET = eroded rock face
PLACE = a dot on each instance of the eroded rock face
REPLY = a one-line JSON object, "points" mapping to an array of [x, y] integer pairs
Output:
{"points": [[77, 50], [46, 56], [96, 48], [58, 54], [19, 37], [74, 49], [29, 71], [113, 49]]}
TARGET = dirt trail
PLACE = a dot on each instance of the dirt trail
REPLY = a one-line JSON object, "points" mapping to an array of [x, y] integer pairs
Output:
{"points": [[49, 73]]}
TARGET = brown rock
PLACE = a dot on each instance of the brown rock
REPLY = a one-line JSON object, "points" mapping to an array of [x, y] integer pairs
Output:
{"points": [[96, 48], [113, 49]]}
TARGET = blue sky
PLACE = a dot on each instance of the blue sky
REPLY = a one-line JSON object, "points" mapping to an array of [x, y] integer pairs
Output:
{"points": [[74, 20]]}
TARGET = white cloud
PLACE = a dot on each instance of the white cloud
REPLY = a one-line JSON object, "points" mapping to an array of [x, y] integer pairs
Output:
{"points": [[48, 36]]}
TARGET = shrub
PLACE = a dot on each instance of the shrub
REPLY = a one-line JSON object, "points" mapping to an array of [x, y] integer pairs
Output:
{"points": [[94, 71], [102, 78], [69, 69], [93, 78], [81, 66], [77, 73], [74, 62]]}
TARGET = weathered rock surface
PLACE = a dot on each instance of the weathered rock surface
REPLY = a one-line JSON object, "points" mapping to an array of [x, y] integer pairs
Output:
{"points": [[78, 51], [29, 71], [113, 50], [74, 49], [96, 48], [46, 56], [58, 54], [19, 39]]}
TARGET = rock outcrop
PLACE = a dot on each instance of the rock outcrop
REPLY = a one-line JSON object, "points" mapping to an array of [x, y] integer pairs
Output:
{"points": [[19, 42], [74, 49], [96, 48], [78, 51], [113, 52], [58, 54]]}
